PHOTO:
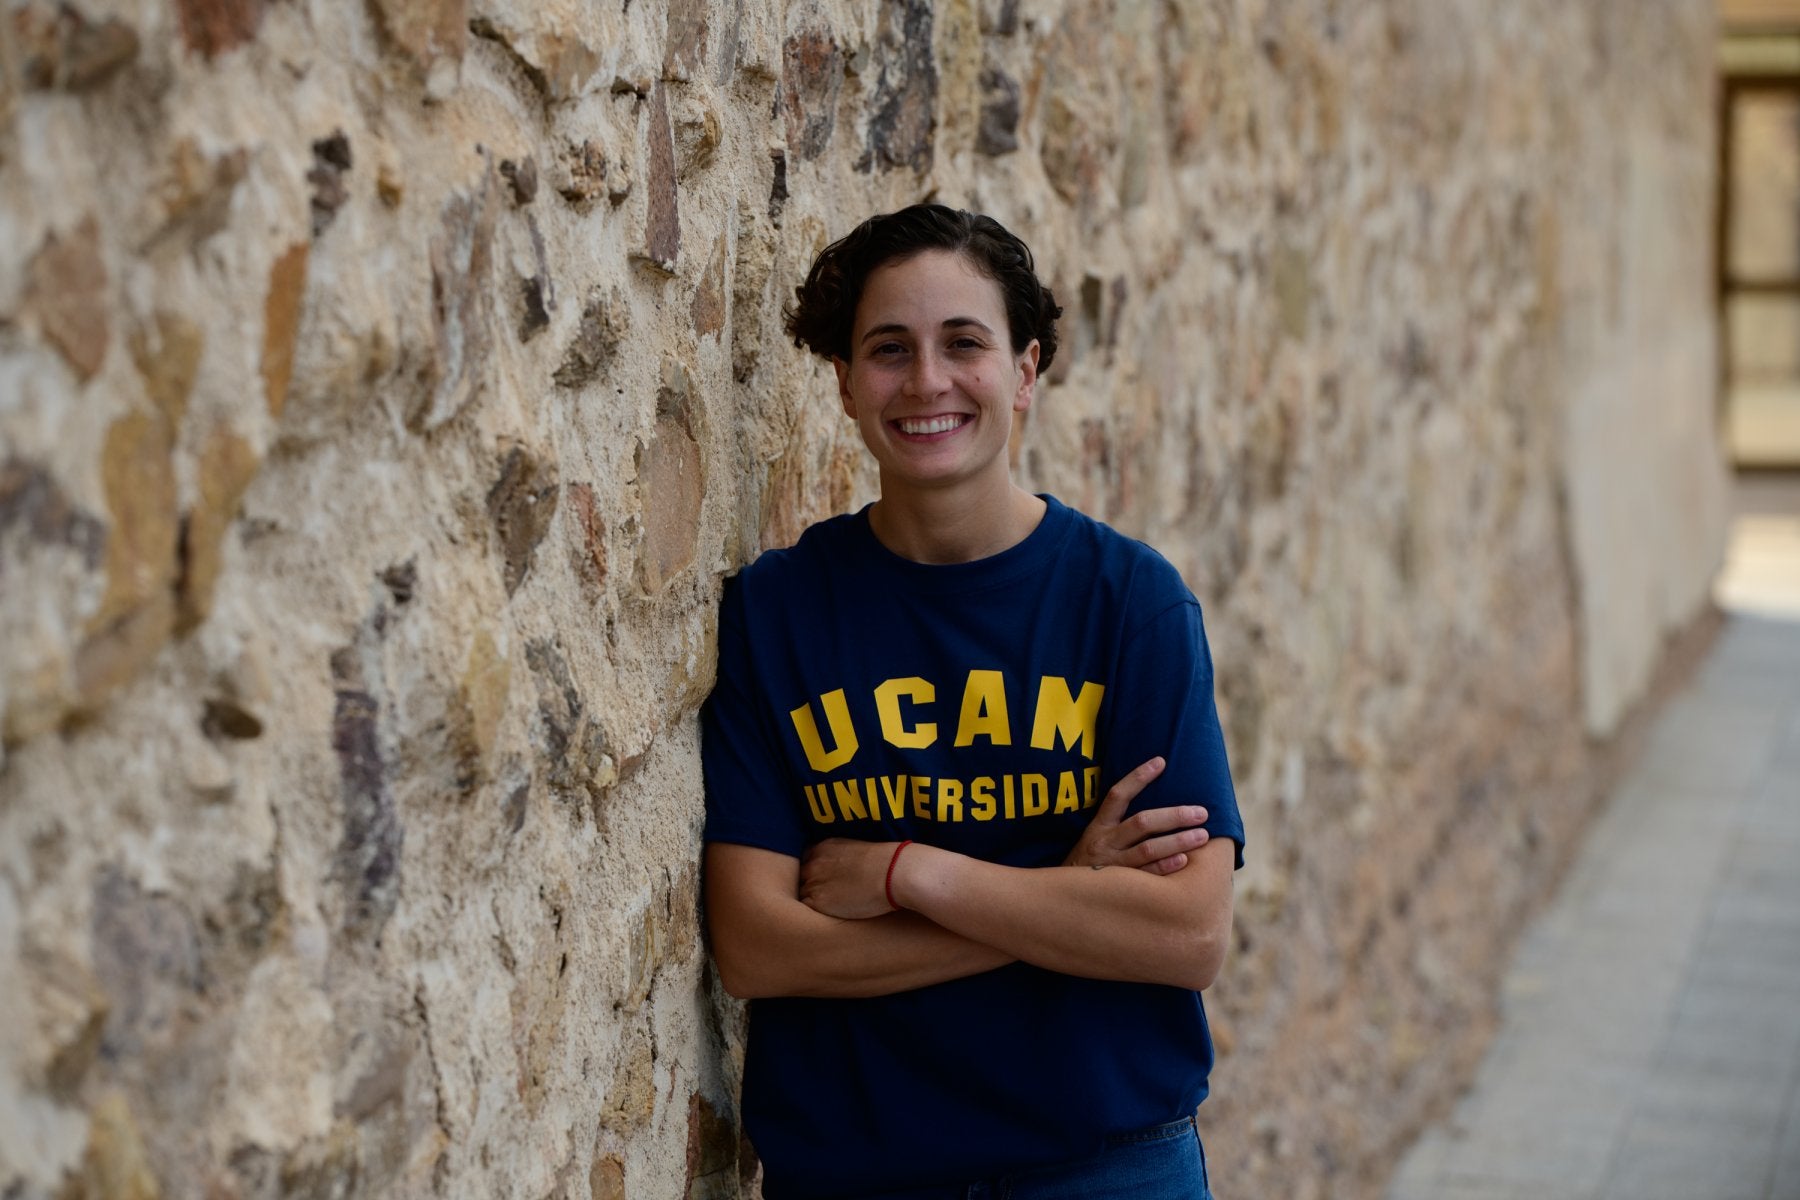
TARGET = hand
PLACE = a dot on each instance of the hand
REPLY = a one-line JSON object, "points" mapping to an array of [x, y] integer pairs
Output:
{"points": [[844, 877], [1157, 840]]}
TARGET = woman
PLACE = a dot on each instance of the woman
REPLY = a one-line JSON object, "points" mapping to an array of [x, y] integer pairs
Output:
{"points": [[974, 941]]}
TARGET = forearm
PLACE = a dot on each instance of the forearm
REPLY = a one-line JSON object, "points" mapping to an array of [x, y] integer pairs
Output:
{"points": [[1114, 923], [767, 943], [830, 957]]}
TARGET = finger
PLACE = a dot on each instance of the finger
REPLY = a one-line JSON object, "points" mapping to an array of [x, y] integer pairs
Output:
{"points": [[1122, 793], [1166, 866], [1153, 821], [1170, 844]]}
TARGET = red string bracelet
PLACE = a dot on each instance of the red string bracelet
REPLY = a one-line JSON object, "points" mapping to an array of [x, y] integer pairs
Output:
{"points": [[892, 863]]}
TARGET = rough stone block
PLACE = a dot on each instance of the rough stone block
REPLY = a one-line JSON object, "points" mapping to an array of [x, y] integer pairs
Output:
{"points": [[462, 305], [60, 48], [67, 289], [522, 503], [812, 77], [226, 465], [211, 27], [662, 229], [902, 117], [281, 324]]}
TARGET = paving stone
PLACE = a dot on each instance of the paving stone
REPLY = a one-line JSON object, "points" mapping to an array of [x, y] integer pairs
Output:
{"points": [[1690, 1156], [1651, 1038], [1786, 1173], [1712, 744]]}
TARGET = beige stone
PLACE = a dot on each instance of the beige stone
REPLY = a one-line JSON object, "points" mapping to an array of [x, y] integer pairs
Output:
{"points": [[211, 27], [68, 290], [226, 465], [427, 31], [167, 355], [559, 43], [194, 192], [672, 482], [485, 680], [662, 228], [606, 1181], [281, 324], [116, 1167], [708, 309]]}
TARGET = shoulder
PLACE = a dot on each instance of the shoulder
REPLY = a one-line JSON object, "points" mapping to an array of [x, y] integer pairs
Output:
{"points": [[1131, 572], [821, 545], [795, 577]]}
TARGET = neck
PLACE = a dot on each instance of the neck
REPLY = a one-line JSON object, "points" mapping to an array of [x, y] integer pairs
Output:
{"points": [[954, 526]]}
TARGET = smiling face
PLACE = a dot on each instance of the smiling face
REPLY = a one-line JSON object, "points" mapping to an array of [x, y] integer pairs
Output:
{"points": [[932, 379]]}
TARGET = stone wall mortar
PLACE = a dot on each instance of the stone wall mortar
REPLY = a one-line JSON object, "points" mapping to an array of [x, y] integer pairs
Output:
{"points": [[385, 391]]}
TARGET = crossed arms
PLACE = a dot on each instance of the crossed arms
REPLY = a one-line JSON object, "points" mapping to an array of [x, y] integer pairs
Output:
{"points": [[1145, 898]]}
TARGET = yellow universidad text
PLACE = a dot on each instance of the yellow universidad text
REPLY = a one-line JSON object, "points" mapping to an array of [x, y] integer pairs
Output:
{"points": [[905, 707], [952, 801]]}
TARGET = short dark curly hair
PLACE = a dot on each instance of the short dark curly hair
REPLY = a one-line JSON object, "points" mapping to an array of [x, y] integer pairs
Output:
{"points": [[824, 310]]}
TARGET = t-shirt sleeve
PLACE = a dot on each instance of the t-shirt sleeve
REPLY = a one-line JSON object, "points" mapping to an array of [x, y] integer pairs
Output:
{"points": [[1164, 705], [746, 802]]}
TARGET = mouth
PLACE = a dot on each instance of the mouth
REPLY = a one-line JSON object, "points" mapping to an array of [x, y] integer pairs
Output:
{"points": [[930, 426]]}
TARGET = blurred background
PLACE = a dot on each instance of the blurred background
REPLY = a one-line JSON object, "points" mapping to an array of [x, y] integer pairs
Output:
{"points": [[386, 389]]}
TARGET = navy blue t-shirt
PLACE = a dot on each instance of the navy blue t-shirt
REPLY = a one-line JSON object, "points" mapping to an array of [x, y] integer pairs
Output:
{"points": [[986, 708]]}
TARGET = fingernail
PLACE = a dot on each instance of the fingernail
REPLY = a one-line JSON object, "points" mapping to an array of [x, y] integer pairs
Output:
{"points": [[1157, 764]]}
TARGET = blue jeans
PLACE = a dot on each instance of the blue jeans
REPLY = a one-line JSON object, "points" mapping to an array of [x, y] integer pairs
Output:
{"points": [[1164, 1162]]}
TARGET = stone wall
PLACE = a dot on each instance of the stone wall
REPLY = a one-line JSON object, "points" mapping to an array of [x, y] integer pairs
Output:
{"points": [[385, 390]]}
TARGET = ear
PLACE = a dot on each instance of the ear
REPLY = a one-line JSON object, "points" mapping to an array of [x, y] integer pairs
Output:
{"points": [[843, 375], [1027, 377]]}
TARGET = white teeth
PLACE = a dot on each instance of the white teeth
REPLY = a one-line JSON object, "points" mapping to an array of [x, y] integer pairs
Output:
{"points": [[918, 425]]}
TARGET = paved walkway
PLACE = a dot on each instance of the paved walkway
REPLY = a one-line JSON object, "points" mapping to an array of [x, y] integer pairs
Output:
{"points": [[1650, 1038]]}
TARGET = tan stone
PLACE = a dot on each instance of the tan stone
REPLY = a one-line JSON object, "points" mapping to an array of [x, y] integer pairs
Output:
{"points": [[591, 527], [167, 354], [194, 192], [1293, 288], [281, 324], [225, 468], [606, 1179], [68, 290], [522, 503], [662, 228], [708, 309], [64, 49], [812, 75], [672, 484], [427, 31], [631, 1096], [712, 1144], [137, 613], [698, 132], [486, 679], [685, 54], [462, 302], [539, 1003], [561, 60], [68, 1011], [211, 27], [116, 1166]]}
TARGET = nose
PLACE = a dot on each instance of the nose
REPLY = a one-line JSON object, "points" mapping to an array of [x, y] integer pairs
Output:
{"points": [[929, 376]]}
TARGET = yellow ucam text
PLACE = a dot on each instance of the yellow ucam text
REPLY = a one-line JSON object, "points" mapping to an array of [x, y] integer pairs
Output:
{"points": [[902, 706]]}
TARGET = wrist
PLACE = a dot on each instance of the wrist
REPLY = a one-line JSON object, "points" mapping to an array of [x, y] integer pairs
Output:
{"points": [[888, 882], [910, 880]]}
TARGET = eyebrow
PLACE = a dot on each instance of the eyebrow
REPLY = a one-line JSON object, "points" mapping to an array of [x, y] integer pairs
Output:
{"points": [[949, 323]]}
